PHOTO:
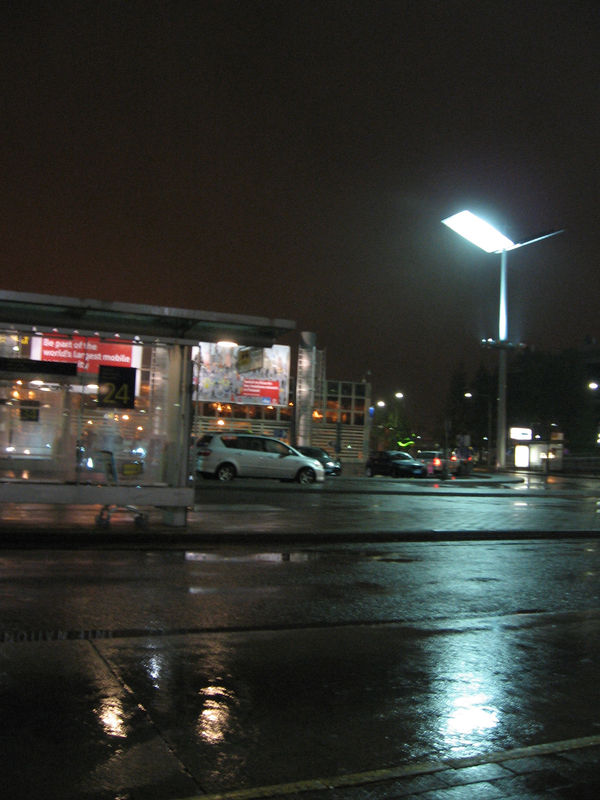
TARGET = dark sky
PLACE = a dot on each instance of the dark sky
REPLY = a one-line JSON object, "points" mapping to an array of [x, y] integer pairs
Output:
{"points": [[294, 159]]}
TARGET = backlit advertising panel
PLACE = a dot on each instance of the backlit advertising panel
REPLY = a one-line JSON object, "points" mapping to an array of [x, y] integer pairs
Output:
{"points": [[227, 373], [88, 352]]}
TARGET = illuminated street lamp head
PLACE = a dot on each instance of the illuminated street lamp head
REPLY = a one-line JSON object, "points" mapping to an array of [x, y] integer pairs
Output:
{"points": [[479, 232]]}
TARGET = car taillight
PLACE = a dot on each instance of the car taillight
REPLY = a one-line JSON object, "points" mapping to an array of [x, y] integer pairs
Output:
{"points": [[453, 458], [437, 462]]}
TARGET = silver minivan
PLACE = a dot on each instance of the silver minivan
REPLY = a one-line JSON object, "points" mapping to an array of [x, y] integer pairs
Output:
{"points": [[226, 456]]}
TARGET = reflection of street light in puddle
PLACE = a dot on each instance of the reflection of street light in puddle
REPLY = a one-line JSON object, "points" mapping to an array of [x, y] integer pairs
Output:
{"points": [[214, 720], [111, 715], [471, 714]]}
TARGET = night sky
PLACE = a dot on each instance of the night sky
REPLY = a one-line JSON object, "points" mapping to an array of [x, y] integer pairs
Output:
{"points": [[294, 159]]}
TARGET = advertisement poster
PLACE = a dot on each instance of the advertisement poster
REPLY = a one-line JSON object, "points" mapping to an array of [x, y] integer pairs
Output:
{"points": [[227, 373], [87, 352]]}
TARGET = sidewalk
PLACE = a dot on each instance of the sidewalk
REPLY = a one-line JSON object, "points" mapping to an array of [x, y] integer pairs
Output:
{"points": [[569, 769]]}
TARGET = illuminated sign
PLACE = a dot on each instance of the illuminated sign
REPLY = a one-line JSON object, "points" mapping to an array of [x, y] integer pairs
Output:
{"points": [[245, 375], [87, 352], [522, 456], [521, 434]]}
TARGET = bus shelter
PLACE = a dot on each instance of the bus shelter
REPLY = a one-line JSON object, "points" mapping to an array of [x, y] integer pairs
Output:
{"points": [[96, 399]]}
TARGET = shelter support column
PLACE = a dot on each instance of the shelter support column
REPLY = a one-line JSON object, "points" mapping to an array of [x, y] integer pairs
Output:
{"points": [[305, 386], [179, 418]]}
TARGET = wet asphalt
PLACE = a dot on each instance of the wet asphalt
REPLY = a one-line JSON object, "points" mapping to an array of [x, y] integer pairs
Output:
{"points": [[314, 669]]}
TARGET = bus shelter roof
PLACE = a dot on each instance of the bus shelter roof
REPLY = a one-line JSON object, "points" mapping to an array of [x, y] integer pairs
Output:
{"points": [[41, 313]]}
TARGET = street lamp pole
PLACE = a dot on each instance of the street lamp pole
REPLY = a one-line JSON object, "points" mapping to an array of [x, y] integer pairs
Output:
{"points": [[502, 369], [485, 236]]}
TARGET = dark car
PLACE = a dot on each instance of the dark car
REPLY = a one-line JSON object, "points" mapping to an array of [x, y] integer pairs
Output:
{"points": [[394, 463], [331, 465]]}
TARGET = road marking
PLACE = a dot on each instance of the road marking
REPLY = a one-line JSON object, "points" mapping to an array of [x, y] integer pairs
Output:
{"points": [[394, 773]]}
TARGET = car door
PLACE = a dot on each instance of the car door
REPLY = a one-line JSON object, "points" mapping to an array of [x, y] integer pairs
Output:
{"points": [[403, 465], [280, 461], [253, 461]]}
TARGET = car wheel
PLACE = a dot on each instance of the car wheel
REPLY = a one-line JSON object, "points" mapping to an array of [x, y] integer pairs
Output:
{"points": [[225, 472], [306, 476]]}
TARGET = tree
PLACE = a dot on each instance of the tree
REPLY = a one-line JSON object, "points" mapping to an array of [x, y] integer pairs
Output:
{"points": [[547, 390], [391, 427]]}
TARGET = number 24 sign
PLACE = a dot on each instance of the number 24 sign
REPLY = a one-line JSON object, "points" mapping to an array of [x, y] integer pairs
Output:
{"points": [[116, 386]]}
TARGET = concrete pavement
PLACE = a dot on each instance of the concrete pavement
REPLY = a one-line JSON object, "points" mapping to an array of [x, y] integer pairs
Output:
{"points": [[568, 769]]}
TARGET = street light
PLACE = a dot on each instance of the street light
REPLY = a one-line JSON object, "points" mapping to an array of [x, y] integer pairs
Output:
{"points": [[481, 233]]}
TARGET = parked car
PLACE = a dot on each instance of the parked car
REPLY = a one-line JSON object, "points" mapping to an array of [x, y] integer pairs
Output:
{"points": [[437, 463], [464, 457], [394, 463], [226, 456], [332, 466]]}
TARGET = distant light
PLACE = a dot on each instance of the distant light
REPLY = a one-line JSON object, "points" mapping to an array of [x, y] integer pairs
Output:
{"points": [[593, 385], [479, 232], [381, 403], [226, 343], [521, 434], [468, 395], [399, 395]]}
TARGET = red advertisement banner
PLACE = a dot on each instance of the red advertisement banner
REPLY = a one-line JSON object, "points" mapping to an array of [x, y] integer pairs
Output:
{"points": [[87, 353], [263, 389]]}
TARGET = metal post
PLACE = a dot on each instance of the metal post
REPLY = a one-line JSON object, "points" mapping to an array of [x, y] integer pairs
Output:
{"points": [[489, 428], [502, 336]]}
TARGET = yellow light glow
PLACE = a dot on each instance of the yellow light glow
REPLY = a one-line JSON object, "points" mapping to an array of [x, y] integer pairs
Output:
{"points": [[111, 717]]}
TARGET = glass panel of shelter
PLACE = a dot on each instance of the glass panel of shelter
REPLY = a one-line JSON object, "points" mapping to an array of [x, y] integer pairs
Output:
{"points": [[53, 429]]}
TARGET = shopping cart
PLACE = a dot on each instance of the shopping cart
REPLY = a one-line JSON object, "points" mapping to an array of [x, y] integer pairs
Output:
{"points": [[140, 519]]}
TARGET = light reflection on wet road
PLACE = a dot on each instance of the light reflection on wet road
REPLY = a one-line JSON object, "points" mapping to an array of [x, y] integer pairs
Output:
{"points": [[240, 666]]}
